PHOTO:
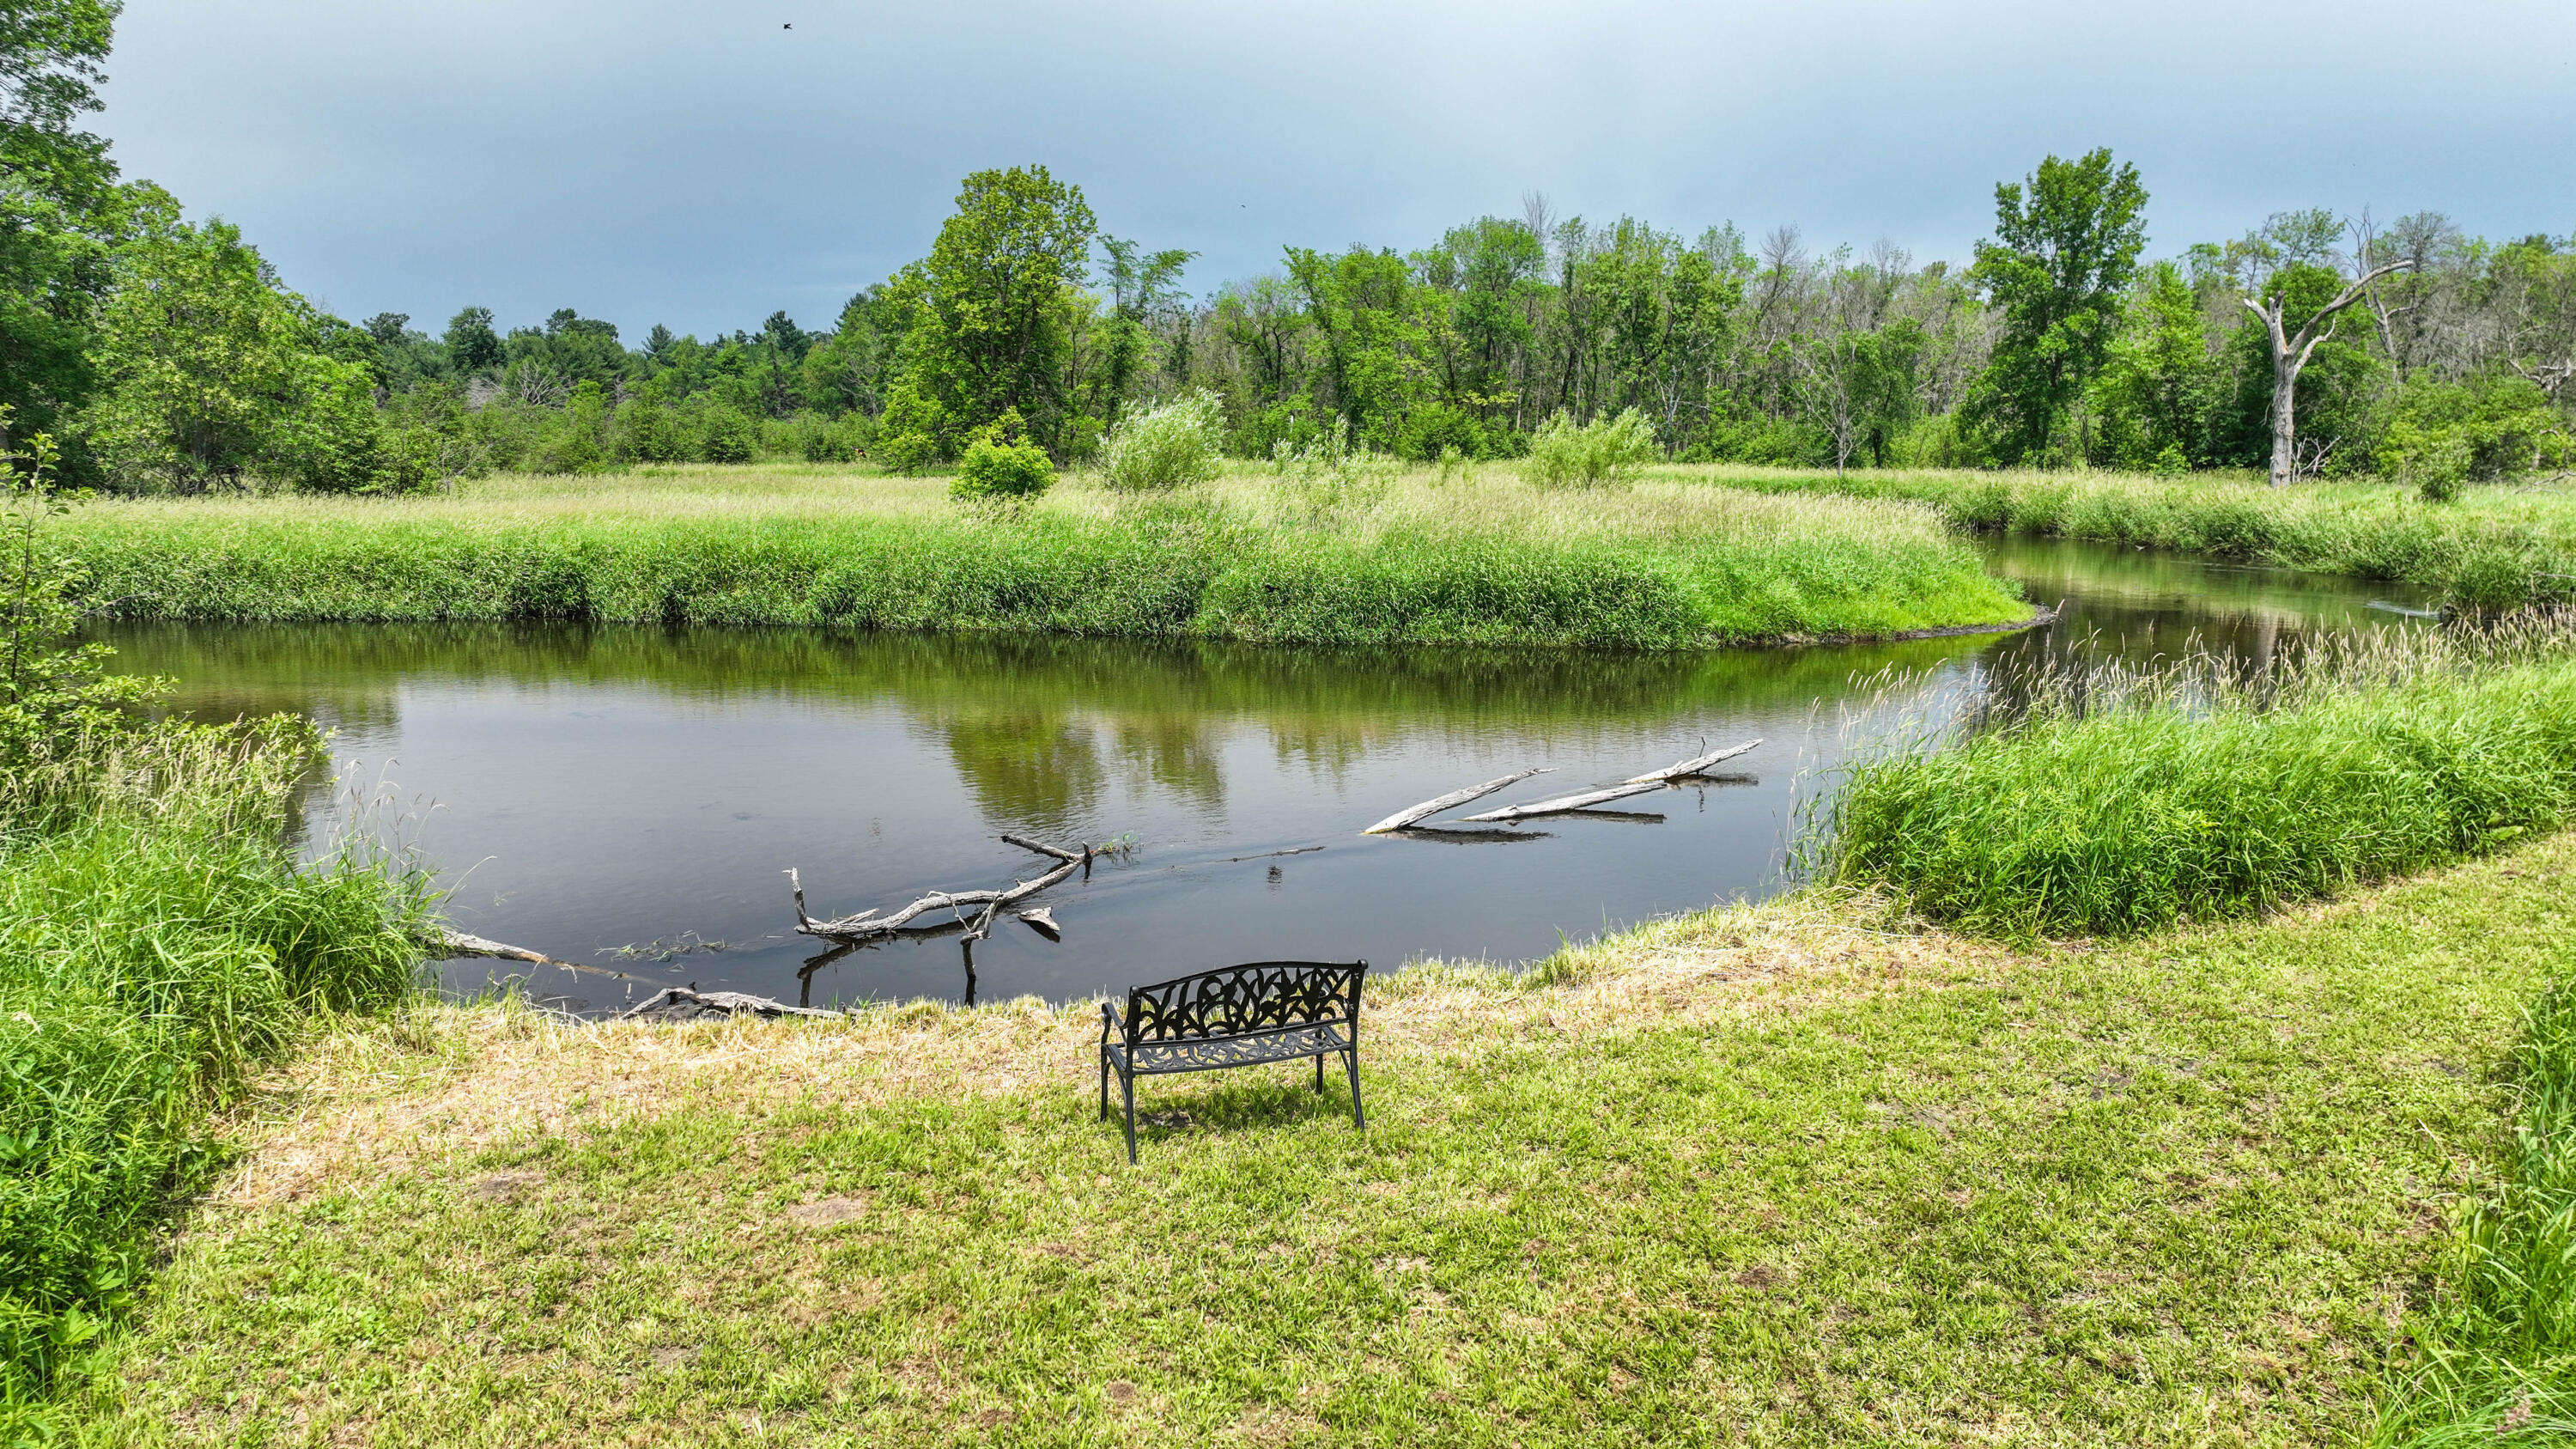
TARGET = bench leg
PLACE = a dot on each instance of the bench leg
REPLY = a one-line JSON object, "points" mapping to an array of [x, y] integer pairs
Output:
{"points": [[1319, 1074], [1127, 1080], [1351, 1059], [1104, 1084]]}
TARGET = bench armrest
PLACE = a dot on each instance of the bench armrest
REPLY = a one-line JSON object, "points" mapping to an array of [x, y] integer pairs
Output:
{"points": [[1108, 1021]]}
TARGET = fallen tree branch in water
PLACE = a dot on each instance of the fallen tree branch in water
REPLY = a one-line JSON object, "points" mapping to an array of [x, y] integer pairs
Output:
{"points": [[1450, 801], [869, 926], [687, 1003], [457, 943], [1696, 765], [1565, 803]]}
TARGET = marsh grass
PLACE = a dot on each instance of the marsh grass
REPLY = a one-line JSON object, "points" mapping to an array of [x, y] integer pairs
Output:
{"points": [[158, 940], [2105, 800], [1481, 559], [2496, 547], [2494, 1360]]}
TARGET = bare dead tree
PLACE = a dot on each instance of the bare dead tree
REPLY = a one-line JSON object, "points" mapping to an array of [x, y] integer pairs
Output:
{"points": [[2367, 245], [2290, 353]]}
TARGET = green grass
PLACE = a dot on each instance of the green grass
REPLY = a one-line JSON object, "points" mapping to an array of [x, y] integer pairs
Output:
{"points": [[1753, 1177], [2188, 795], [2498, 547], [2495, 1359], [1482, 560], [157, 942]]}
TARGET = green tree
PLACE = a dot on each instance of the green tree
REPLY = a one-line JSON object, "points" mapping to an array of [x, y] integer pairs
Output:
{"points": [[211, 371], [473, 348], [2065, 247], [2153, 396], [61, 211], [1144, 293], [1361, 308], [987, 316]]}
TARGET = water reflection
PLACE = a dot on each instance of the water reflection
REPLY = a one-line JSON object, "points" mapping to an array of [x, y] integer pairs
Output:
{"points": [[599, 787]]}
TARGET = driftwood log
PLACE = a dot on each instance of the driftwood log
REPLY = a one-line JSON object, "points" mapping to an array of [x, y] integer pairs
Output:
{"points": [[457, 943], [1696, 765], [870, 926], [1564, 804], [1450, 801], [687, 1003]]}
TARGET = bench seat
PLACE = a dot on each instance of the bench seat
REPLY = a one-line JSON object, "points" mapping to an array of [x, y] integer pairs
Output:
{"points": [[1156, 1058]]}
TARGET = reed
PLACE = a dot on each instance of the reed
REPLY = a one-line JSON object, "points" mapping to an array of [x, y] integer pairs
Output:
{"points": [[2112, 803], [1480, 560], [2498, 547], [158, 940]]}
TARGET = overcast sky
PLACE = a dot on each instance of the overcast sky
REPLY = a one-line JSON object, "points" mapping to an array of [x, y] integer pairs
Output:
{"points": [[695, 162]]}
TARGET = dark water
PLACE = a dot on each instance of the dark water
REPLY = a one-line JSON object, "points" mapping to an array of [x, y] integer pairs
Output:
{"points": [[611, 795]]}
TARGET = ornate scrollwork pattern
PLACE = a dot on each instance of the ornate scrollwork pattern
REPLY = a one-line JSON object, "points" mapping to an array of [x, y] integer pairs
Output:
{"points": [[1242, 1000]]}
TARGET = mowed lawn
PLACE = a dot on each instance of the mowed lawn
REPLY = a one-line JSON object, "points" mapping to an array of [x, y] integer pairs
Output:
{"points": [[1759, 1176]]}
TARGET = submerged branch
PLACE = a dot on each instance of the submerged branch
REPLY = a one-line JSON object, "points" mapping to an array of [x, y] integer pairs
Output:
{"points": [[869, 925], [1450, 801], [1563, 804], [1696, 765]]}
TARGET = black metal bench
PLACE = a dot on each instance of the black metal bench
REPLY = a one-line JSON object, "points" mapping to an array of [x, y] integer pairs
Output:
{"points": [[1236, 1016]]}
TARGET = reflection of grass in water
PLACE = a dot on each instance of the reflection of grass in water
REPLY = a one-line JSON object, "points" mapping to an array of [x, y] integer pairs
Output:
{"points": [[1489, 561], [1149, 686]]}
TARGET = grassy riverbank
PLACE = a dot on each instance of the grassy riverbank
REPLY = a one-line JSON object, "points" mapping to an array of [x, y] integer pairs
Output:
{"points": [[1754, 1176], [2187, 793], [158, 943], [1479, 560], [2497, 547]]}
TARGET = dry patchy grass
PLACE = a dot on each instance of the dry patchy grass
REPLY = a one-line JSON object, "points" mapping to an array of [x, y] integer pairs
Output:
{"points": [[1774, 1175]]}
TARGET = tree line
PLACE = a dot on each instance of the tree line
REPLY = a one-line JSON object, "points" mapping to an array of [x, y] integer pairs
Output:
{"points": [[165, 354]]}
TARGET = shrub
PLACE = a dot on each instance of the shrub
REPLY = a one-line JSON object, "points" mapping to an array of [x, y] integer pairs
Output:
{"points": [[728, 436], [1173, 445], [996, 471], [1605, 450]]}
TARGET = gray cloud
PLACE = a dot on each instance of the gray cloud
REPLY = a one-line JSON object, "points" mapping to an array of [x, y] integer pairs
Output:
{"points": [[692, 162]]}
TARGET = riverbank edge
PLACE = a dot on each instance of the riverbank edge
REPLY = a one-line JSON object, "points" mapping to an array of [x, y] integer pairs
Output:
{"points": [[1149, 575], [2376, 534], [440, 1089]]}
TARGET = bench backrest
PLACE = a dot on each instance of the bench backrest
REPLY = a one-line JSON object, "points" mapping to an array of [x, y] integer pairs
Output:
{"points": [[1237, 1000]]}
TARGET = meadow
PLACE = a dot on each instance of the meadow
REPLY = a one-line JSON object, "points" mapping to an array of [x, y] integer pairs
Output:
{"points": [[1766, 1175], [1478, 559], [2497, 546]]}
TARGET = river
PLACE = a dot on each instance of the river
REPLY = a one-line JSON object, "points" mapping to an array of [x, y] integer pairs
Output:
{"points": [[630, 798]]}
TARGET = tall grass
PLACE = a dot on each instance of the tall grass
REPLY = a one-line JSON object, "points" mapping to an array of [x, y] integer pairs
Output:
{"points": [[2110, 803], [2496, 548], [158, 940], [2495, 1358], [1482, 560]]}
